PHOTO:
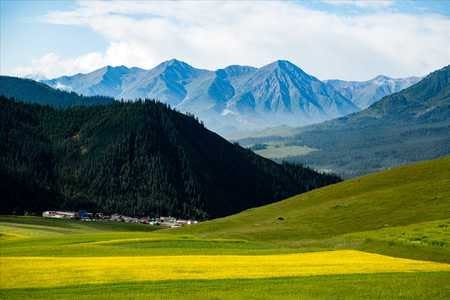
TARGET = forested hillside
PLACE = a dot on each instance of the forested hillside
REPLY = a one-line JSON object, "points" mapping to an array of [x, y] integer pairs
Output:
{"points": [[28, 90], [138, 158]]}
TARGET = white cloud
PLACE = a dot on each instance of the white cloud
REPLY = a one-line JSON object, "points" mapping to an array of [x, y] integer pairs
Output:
{"points": [[61, 86], [361, 3], [216, 34], [51, 65]]}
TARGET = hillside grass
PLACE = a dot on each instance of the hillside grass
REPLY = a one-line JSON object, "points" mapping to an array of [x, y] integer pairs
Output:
{"points": [[36, 236], [63, 259], [373, 209], [31, 226], [414, 286]]}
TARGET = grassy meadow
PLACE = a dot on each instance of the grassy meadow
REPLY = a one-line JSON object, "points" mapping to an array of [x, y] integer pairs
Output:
{"points": [[381, 236]]}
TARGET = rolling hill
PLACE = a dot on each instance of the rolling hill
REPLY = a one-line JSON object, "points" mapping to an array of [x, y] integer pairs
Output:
{"points": [[411, 125], [402, 212]]}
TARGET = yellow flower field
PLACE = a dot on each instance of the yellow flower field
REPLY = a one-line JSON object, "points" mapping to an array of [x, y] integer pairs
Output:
{"points": [[23, 272]]}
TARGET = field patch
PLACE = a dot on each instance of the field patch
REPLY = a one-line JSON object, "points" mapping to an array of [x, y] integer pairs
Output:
{"points": [[276, 150], [31, 272]]}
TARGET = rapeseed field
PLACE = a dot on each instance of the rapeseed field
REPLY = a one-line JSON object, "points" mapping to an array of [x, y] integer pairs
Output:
{"points": [[27, 272]]}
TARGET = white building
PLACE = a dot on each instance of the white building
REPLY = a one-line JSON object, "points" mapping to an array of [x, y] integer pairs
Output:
{"points": [[59, 214]]}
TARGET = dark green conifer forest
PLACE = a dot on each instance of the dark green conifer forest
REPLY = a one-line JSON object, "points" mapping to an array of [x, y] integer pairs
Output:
{"points": [[140, 158]]}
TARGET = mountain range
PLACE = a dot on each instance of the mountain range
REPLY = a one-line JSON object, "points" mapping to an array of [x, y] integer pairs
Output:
{"points": [[235, 98], [365, 93], [407, 126]]}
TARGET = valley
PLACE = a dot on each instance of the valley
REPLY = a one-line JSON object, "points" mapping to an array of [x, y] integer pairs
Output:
{"points": [[275, 150], [411, 125], [267, 225], [145, 159], [385, 231], [225, 150]]}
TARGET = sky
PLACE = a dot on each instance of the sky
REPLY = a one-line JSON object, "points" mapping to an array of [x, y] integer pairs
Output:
{"points": [[346, 39]]}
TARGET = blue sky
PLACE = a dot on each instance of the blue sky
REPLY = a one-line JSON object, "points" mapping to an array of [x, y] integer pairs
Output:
{"points": [[330, 39], [24, 35], [403, 6]]}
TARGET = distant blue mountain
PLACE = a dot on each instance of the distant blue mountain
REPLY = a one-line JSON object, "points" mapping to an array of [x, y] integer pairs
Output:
{"points": [[410, 125], [365, 93], [282, 89], [107, 81], [228, 99]]}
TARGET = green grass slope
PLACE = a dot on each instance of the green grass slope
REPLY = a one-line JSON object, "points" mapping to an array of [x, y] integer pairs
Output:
{"points": [[415, 286], [375, 212], [402, 212], [36, 236]]}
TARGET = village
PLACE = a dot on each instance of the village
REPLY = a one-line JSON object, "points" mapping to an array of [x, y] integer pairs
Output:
{"points": [[169, 222]]}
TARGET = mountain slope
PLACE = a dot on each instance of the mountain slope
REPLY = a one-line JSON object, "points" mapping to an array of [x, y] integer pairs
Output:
{"points": [[411, 125], [34, 92], [365, 93], [238, 97], [134, 158], [281, 87], [364, 203], [166, 82], [213, 91], [108, 81], [428, 101]]}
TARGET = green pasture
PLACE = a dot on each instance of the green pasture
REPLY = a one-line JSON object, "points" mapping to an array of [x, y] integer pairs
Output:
{"points": [[403, 212], [413, 286]]}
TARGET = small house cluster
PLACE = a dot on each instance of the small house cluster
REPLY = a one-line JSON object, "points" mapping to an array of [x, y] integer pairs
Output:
{"points": [[169, 222]]}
